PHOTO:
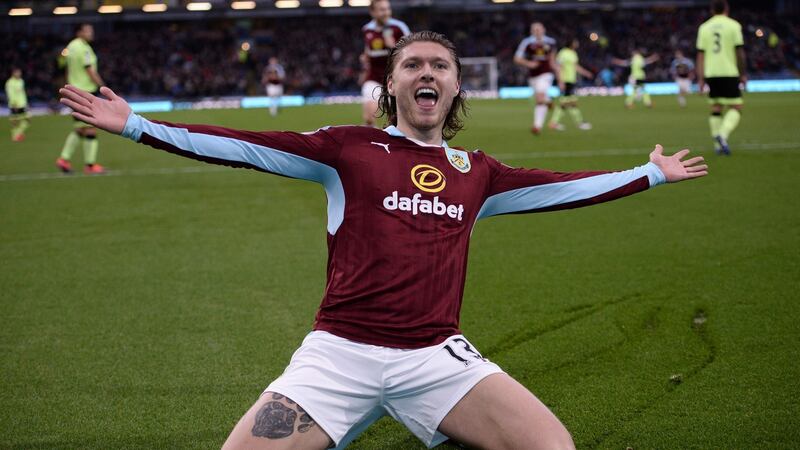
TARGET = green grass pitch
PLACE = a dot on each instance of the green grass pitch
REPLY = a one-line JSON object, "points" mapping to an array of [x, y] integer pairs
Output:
{"points": [[149, 308]]}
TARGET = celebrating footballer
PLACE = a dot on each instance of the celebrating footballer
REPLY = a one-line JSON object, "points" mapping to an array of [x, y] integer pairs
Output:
{"points": [[402, 204]]}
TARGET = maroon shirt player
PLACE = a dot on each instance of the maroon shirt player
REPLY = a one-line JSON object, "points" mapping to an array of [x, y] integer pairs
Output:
{"points": [[401, 207], [380, 35], [536, 53]]}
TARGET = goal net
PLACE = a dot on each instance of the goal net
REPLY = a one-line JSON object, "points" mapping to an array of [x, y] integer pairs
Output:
{"points": [[479, 76]]}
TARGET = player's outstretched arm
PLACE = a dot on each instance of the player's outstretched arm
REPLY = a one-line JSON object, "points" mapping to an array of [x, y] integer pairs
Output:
{"points": [[308, 156], [109, 115], [675, 168], [518, 190]]}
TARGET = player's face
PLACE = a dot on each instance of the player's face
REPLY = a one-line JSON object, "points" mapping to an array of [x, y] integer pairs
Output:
{"points": [[424, 82], [87, 33], [381, 11], [537, 29]]}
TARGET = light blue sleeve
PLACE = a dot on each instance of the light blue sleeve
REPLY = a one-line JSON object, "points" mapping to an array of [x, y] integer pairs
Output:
{"points": [[295, 155], [579, 192]]}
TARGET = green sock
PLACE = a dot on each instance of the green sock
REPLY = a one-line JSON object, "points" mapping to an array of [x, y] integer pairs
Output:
{"points": [[715, 122], [72, 142], [646, 99], [14, 130], [630, 97], [729, 122], [576, 115], [558, 111], [90, 150], [23, 125]]}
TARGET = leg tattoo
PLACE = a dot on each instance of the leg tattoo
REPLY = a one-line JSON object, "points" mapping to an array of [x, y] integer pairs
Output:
{"points": [[274, 421], [277, 418]]}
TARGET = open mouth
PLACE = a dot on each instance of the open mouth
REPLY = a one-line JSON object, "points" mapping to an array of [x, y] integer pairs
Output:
{"points": [[426, 97]]}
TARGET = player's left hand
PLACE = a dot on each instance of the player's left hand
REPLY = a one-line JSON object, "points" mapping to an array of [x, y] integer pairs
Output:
{"points": [[675, 168]]}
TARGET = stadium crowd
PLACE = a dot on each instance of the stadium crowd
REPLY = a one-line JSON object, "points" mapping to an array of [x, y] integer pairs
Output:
{"points": [[191, 59]]}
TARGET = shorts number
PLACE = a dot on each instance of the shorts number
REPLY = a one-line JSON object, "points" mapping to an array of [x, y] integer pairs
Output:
{"points": [[717, 43], [465, 350]]}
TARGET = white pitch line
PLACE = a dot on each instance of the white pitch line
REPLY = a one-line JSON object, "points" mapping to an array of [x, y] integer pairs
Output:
{"points": [[112, 173], [530, 155]]}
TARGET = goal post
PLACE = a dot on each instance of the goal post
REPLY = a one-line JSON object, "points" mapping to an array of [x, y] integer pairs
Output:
{"points": [[479, 76]]}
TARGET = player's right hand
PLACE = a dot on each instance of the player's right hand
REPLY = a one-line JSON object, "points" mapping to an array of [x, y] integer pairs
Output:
{"points": [[109, 115]]}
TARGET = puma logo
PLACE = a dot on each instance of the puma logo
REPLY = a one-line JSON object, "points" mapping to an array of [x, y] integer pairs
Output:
{"points": [[385, 146]]}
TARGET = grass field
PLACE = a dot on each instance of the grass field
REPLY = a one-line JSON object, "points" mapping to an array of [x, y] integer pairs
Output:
{"points": [[149, 308]]}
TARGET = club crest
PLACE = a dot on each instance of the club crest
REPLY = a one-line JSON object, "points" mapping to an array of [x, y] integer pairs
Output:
{"points": [[458, 159]]}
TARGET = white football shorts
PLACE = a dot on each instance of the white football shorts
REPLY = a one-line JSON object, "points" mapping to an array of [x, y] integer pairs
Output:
{"points": [[274, 90], [541, 83], [370, 90], [684, 84], [345, 386]]}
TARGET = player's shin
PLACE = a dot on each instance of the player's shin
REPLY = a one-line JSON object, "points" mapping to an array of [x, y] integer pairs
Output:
{"points": [[90, 146], [729, 122], [576, 115], [70, 145], [715, 123]]}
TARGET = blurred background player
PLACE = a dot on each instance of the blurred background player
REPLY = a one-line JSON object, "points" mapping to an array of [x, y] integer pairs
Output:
{"points": [[380, 36], [82, 72], [272, 78], [17, 104], [721, 64], [568, 70], [537, 53], [682, 71], [637, 63]]}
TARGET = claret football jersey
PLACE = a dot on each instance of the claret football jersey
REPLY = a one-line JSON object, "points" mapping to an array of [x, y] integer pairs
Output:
{"points": [[376, 46], [399, 214], [539, 50]]}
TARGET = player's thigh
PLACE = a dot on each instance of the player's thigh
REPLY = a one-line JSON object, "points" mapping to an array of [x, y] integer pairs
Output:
{"points": [[542, 85], [369, 111], [275, 422], [370, 91], [500, 413]]}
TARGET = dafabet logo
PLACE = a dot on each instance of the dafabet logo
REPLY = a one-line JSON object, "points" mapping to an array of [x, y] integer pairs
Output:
{"points": [[429, 179]]}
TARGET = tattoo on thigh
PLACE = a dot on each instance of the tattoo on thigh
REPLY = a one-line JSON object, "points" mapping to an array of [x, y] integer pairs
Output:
{"points": [[276, 420], [306, 422]]}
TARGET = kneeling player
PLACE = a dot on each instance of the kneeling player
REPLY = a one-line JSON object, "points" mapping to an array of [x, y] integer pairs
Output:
{"points": [[402, 204]]}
